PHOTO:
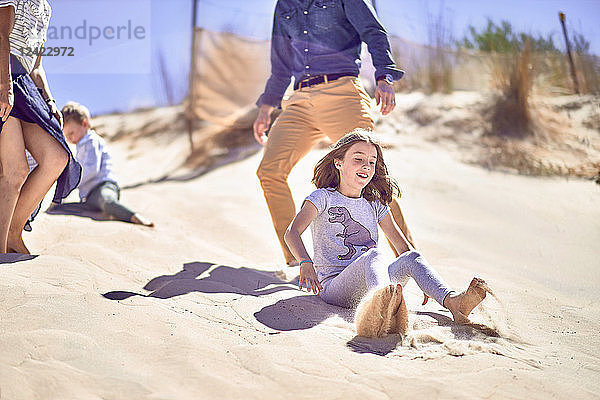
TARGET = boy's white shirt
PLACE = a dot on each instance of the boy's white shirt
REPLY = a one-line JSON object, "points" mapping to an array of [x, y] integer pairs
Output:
{"points": [[96, 163]]}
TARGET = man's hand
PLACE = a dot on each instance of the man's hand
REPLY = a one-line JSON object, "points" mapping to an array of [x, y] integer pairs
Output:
{"points": [[263, 120], [7, 100], [386, 96]]}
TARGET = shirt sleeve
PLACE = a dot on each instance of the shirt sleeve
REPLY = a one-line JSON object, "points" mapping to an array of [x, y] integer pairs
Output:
{"points": [[380, 210], [319, 199], [90, 157], [6, 3], [281, 70], [363, 18]]}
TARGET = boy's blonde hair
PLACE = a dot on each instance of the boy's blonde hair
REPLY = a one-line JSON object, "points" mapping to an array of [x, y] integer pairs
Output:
{"points": [[73, 111]]}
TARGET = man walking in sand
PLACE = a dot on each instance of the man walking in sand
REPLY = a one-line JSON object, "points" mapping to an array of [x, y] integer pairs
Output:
{"points": [[318, 42]]}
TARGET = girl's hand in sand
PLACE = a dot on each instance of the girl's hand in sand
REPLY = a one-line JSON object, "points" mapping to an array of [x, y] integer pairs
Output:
{"points": [[308, 278], [262, 123]]}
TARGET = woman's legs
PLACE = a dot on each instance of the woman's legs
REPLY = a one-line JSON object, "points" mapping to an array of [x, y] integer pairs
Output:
{"points": [[13, 173], [52, 160]]}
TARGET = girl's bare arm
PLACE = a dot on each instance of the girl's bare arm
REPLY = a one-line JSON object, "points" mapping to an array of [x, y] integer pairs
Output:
{"points": [[305, 216], [394, 234], [293, 238]]}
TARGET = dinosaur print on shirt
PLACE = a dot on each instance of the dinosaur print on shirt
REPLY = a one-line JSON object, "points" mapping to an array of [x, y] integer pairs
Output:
{"points": [[354, 233]]}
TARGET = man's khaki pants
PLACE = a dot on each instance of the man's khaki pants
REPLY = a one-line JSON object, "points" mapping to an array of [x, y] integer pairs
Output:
{"points": [[311, 114]]}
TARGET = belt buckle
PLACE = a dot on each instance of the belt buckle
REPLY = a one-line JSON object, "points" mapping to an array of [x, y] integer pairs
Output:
{"points": [[307, 80]]}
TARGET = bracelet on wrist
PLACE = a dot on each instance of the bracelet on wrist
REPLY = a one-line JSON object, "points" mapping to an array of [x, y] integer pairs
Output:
{"points": [[305, 261]]}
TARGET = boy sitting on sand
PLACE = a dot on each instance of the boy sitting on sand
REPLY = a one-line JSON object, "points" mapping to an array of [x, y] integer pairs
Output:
{"points": [[98, 188]]}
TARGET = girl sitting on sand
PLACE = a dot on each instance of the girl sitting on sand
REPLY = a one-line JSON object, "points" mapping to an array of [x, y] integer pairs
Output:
{"points": [[352, 197]]}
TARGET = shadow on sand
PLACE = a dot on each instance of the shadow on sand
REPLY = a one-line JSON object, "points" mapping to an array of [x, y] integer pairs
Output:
{"points": [[294, 313], [234, 155], [461, 331], [221, 279], [77, 209], [378, 346], [300, 312], [383, 346], [11, 258]]}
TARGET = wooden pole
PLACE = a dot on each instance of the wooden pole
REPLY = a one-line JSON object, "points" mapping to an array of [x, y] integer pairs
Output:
{"points": [[561, 16], [192, 92]]}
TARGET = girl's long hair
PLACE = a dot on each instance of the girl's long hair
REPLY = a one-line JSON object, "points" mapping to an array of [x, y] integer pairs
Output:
{"points": [[381, 187]]}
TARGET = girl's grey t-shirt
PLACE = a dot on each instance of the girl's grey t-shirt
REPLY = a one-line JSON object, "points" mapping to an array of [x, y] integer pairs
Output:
{"points": [[343, 230]]}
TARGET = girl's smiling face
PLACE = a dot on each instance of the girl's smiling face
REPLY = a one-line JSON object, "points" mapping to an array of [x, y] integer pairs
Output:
{"points": [[357, 168]]}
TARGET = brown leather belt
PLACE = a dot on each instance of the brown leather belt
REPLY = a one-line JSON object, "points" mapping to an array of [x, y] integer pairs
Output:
{"points": [[316, 80]]}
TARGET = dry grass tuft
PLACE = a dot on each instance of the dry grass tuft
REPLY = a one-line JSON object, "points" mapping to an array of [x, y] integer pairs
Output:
{"points": [[511, 113], [557, 147], [232, 137], [561, 144], [440, 57], [536, 161], [588, 72]]}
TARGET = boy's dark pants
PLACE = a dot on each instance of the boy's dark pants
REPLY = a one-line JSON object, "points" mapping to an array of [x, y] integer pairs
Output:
{"points": [[105, 197]]}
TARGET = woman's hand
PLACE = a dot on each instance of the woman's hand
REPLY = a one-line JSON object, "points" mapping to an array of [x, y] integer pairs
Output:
{"points": [[308, 278], [7, 100], [38, 75], [56, 112]]}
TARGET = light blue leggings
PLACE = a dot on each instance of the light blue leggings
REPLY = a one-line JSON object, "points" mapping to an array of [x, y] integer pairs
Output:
{"points": [[370, 271]]}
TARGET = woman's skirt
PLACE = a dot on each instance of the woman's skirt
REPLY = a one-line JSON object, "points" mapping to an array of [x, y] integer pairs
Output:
{"points": [[30, 107]]}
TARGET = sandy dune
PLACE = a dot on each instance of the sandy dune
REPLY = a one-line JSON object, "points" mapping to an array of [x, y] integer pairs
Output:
{"points": [[195, 309]]}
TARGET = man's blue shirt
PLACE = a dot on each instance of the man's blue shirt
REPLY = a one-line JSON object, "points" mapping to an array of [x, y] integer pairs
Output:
{"points": [[316, 37]]}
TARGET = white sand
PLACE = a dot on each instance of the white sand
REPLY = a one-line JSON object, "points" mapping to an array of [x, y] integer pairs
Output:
{"points": [[206, 317]]}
